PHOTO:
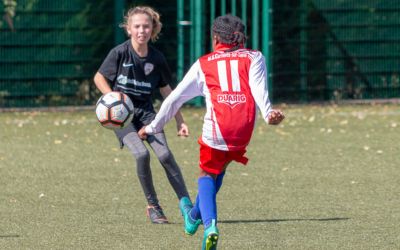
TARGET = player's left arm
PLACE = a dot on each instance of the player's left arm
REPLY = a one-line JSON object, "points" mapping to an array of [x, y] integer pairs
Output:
{"points": [[259, 89], [183, 129]]}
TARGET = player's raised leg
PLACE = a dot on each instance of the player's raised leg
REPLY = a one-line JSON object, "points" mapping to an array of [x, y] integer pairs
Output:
{"points": [[193, 219], [190, 224]]}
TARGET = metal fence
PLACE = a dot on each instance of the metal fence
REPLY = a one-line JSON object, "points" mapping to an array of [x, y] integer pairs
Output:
{"points": [[48, 52], [336, 50], [317, 50]]}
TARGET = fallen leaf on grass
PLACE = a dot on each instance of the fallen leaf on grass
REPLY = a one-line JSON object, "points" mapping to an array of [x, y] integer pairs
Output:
{"points": [[57, 141], [322, 130]]}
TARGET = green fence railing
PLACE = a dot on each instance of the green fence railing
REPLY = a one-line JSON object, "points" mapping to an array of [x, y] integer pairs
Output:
{"points": [[50, 56], [337, 50], [316, 50]]}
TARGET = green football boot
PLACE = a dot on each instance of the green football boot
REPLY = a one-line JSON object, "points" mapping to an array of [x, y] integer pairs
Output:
{"points": [[185, 205], [211, 235]]}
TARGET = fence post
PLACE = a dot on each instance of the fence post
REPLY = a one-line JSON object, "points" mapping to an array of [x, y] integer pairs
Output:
{"points": [[118, 16], [233, 7], [223, 7], [180, 42], [266, 14], [303, 51], [198, 35], [244, 14], [255, 19], [212, 17]]}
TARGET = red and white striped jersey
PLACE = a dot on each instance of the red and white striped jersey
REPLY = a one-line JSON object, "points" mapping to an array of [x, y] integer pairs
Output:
{"points": [[233, 83]]}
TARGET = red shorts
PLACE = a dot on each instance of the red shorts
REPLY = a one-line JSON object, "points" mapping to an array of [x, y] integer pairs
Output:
{"points": [[214, 161]]}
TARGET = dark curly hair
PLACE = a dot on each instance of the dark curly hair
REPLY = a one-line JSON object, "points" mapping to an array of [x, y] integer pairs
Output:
{"points": [[229, 29]]}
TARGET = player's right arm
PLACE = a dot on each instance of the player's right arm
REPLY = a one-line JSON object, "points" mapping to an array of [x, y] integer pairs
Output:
{"points": [[107, 72], [101, 83], [188, 88]]}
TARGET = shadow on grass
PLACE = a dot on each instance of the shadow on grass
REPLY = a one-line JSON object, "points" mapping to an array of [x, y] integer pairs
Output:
{"points": [[9, 236], [281, 220]]}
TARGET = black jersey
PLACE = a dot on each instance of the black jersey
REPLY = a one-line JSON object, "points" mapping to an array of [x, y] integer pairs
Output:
{"points": [[136, 76]]}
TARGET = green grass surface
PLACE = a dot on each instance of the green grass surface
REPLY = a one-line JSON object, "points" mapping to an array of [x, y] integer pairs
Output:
{"points": [[327, 178]]}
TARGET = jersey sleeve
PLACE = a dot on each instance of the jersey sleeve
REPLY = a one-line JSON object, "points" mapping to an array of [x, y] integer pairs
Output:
{"points": [[109, 67], [258, 84], [188, 88], [166, 76]]}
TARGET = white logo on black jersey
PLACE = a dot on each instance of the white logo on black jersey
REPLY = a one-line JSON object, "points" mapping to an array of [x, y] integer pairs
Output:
{"points": [[125, 65], [148, 67], [122, 79]]}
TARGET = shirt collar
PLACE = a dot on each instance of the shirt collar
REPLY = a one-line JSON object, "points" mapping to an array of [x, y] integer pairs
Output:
{"points": [[224, 46]]}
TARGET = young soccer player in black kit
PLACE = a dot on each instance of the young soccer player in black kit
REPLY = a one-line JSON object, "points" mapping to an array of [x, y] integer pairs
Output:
{"points": [[137, 69]]}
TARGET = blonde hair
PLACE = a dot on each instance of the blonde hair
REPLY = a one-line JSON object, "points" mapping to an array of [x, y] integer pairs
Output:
{"points": [[154, 16]]}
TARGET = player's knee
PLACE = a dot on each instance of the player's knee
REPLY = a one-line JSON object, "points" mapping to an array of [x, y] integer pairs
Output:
{"points": [[204, 173], [166, 158], [143, 156]]}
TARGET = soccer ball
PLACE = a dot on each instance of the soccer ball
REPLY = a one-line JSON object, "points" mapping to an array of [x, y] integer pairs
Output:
{"points": [[114, 110]]}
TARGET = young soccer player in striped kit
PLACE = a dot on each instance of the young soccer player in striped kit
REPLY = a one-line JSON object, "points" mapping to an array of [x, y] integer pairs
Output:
{"points": [[233, 81]]}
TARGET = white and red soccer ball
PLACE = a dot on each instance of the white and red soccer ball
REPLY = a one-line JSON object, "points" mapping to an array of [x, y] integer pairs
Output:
{"points": [[114, 110]]}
